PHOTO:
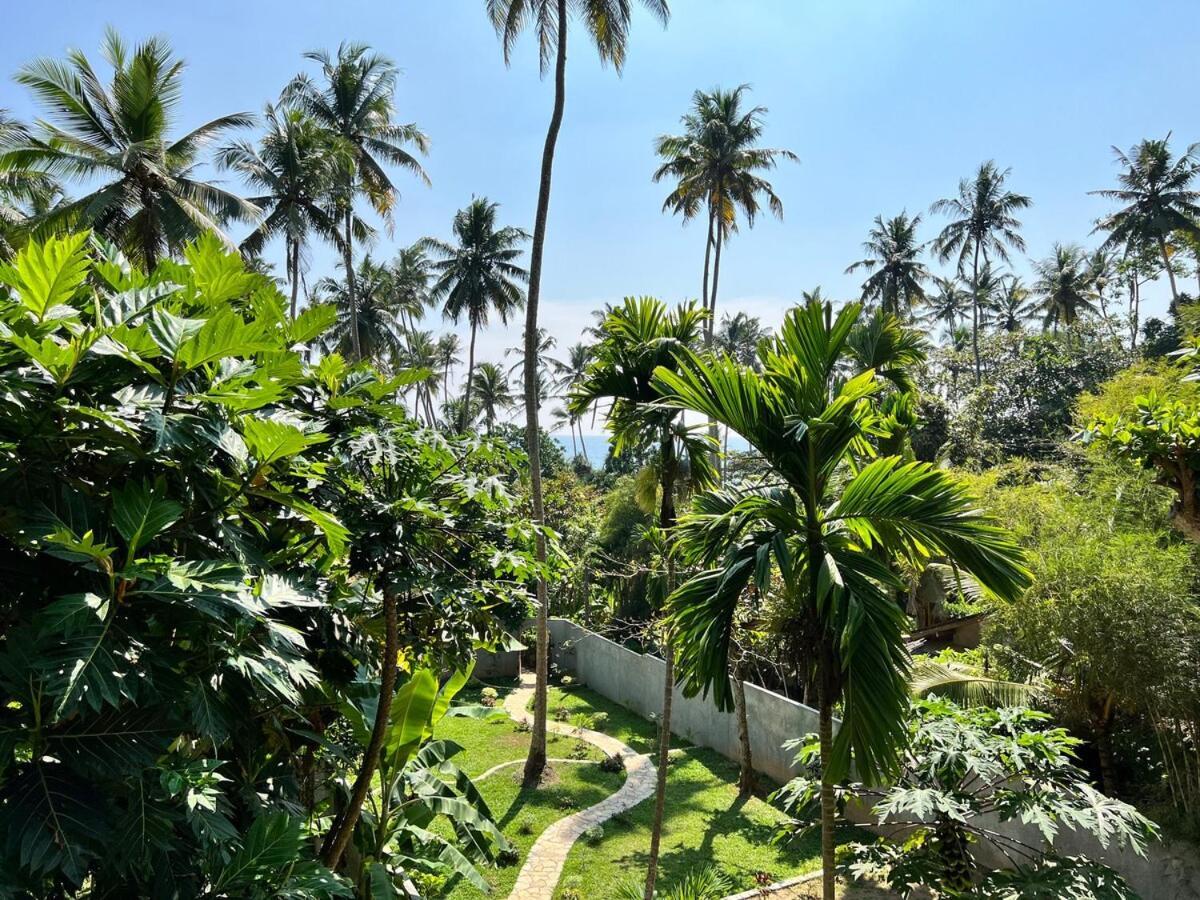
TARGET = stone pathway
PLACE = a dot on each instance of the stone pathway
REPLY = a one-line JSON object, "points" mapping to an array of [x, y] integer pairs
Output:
{"points": [[543, 867]]}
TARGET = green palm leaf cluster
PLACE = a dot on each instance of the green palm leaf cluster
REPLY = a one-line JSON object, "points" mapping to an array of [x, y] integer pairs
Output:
{"points": [[118, 135], [896, 276]]}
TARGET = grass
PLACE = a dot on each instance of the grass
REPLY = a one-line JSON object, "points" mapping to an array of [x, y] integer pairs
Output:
{"points": [[624, 725], [705, 823]]}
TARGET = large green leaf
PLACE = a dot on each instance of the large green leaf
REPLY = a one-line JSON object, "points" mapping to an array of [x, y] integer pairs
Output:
{"points": [[140, 512], [51, 820], [411, 713], [271, 441], [46, 275]]}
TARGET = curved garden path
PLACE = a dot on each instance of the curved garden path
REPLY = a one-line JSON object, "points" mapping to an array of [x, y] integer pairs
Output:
{"points": [[544, 864]]}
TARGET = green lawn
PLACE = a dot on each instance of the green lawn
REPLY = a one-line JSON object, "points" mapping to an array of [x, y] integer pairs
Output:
{"points": [[705, 824], [582, 704]]}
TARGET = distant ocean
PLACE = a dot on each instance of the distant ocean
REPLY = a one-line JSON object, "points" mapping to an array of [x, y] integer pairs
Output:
{"points": [[597, 446]]}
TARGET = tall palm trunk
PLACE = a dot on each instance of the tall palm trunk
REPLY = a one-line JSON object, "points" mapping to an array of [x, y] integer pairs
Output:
{"points": [[708, 246], [828, 802], [712, 300], [666, 521], [343, 828], [583, 444], [466, 407], [351, 296], [975, 314], [294, 272], [536, 761], [1166, 258], [746, 775]]}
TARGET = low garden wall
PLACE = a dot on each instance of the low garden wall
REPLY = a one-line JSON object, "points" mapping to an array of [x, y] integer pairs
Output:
{"points": [[635, 680]]}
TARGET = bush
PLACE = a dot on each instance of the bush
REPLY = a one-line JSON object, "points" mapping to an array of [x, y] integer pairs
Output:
{"points": [[567, 682], [614, 763], [562, 714], [488, 696], [594, 835]]}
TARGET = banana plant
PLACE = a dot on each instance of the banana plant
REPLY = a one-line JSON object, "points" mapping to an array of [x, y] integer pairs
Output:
{"points": [[417, 783]]}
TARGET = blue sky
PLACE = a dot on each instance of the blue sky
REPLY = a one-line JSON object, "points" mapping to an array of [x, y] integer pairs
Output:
{"points": [[888, 103]]}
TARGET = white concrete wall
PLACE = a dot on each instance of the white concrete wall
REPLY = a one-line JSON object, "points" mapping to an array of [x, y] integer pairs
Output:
{"points": [[636, 681]]}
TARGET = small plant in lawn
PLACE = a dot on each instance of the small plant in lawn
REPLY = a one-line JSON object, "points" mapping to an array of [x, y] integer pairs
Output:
{"points": [[579, 751], [614, 763], [561, 714], [488, 696], [707, 883], [572, 888], [566, 801], [599, 721], [524, 727], [567, 682], [509, 856], [594, 835], [524, 828]]}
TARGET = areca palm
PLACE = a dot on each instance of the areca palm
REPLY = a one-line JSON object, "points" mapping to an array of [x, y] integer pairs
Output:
{"points": [[1011, 307], [1159, 199], [368, 324], [716, 167], [637, 339], [1103, 273], [478, 274], [448, 348], [835, 530], [1063, 286], [411, 275], [607, 23], [983, 222], [493, 394], [356, 101], [896, 275], [144, 193], [295, 167]]}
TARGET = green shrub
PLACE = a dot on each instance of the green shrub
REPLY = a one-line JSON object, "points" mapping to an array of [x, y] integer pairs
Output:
{"points": [[488, 696]]}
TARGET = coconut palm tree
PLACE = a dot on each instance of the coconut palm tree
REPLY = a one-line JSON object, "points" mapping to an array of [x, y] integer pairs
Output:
{"points": [[637, 339], [1010, 307], [355, 100], [372, 319], [1158, 199], [294, 170], [716, 167], [607, 23], [492, 392], [1063, 286], [478, 274], [896, 273], [834, 524], [740, 335], [1103, 276], [24, 193], [948, 305], [546, 364], [982, 223], [420, 352], [143, 191], [448, 347], [411, 275]]}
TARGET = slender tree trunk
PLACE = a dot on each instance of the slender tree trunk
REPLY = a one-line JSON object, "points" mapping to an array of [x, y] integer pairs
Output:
{"points": [[343, 829], [975, 314], [583, 444], [1134, 302], [465, 415], [351, 294], [716, 278], [1162, 247], [828, 803], [666, 521], [1104, 749], [746, 776], [294, 274], [536, 761], [708, 246]]}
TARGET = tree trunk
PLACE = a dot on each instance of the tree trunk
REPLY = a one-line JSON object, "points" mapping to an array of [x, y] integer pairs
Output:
{"points": [[975, 314], [712, 302], [1102, 728], [828, 804], [666, 521], [343, 829], [1162, 247], [708, 245], [536, 761], [294, 266], [746, 776], [465, 415], [351, 296]]}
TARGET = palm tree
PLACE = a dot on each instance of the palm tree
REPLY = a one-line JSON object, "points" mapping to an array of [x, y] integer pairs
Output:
{"points": [[1063, 285], [478, 274], [1103, 274], [143, 191], [740, 335], [1011, 307], [356, 102], [546, 364], [834, 524], [895, 271], [716, 164], [607, 22], [411, 274], [24, 193], [637, 339], [948, 305], [1158, 197], [421, 352], [448, 348], [493, 394], [983, 223], [571, 372], [296, 167], [372, 319]]}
